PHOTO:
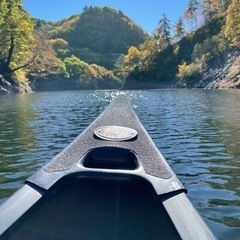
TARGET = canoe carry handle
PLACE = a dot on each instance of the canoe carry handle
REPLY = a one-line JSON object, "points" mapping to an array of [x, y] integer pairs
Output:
{"points": [[115, 133], [110, 158]]}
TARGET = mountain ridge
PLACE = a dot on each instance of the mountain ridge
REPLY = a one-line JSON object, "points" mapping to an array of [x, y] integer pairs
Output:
{"points": [[103, 48], [97, 35]]}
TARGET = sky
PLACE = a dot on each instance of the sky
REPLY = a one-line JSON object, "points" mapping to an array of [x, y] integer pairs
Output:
{"points": [[145, 13]]}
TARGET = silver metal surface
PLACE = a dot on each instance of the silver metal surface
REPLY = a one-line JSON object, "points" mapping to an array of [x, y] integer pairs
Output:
{"points": [[115, 133]]}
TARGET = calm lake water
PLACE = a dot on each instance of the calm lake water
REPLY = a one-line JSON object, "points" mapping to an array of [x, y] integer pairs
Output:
{"points": [[198, 132]]}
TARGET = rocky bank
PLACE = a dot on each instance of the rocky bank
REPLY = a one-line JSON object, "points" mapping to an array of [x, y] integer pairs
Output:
{"points": [[11, 87], [222, 73]]}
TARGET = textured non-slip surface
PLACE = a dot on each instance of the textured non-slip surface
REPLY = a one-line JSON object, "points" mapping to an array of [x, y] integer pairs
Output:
{"points": [[119, 113]]}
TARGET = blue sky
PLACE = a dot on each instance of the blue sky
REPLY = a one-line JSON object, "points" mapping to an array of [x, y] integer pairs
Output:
{"points": [[146, 13]]}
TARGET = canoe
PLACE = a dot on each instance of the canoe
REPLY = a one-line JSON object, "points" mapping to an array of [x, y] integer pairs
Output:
{"points": [[111, 182]]}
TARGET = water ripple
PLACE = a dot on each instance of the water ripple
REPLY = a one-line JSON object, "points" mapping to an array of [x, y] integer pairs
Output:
{"points": [[196, 130]]}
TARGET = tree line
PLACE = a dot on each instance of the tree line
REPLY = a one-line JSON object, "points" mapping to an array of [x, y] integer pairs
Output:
{"points": [[177, 54], [16, 39], [26, 51]]}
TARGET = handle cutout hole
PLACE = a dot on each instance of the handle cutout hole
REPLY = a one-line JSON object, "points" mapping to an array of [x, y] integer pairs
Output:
{"points": [[110, 158]]}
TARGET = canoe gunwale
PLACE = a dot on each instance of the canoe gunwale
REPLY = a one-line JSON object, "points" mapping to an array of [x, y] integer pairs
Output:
{"points": [[142, 161]]}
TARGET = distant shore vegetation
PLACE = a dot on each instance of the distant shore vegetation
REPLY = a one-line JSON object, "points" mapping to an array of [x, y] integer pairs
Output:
{"points": [[103, 48]]}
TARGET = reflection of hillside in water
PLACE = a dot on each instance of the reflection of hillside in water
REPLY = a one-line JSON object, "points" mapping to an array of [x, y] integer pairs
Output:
{"points": [[198, 132], [224, 164], [36, 127], [16, 141]]}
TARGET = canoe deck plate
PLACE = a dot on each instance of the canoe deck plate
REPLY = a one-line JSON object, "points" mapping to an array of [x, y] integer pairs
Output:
{"points": [[115, 133]]}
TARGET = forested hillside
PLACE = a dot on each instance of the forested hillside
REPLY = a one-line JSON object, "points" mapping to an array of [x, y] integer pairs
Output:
{"points": [[86, 47], [98, 35], [102, 48], [202, 52], [75, 53]]}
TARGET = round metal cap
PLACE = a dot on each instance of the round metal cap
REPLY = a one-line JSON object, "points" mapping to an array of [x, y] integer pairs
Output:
{"points": [[115, 133]]}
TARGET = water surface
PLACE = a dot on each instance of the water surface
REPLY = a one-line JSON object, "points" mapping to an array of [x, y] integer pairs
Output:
{"points": [[198, 132]]}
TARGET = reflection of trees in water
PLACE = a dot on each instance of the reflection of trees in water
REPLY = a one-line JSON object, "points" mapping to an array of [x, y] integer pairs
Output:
{"points": [[17, 136], [36, 127], [17, 139], [225, 118], [198, 132], [222, 150]]}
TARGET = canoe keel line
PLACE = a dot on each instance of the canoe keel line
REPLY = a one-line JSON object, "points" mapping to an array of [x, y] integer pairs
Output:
{"points": [[111, 182]]}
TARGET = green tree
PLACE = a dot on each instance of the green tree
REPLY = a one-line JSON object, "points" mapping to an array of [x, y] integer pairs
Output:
{"points": [[162, 33], [148, 52], [211, 9], [79, 70], [132, 59], [61, 47], [120, 68], [190, 73], [16, 36], [3, 11], [101, 72], [225, 4], [179, 30], [232, 28], [191, 12], [45, 59], [136, 60], [127, 63], [59, 43]]}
